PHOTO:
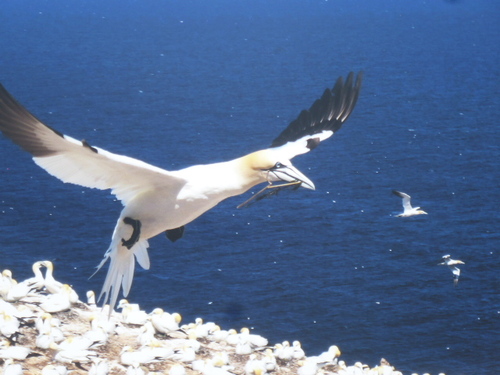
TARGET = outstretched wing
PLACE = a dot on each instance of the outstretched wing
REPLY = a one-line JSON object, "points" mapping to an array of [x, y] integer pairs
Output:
{"points": [[406, 199], [75, 161], [323, 119]]}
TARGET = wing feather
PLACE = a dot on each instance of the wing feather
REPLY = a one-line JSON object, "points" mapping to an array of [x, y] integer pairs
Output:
{"points": [[324, 118], [77, 162]]}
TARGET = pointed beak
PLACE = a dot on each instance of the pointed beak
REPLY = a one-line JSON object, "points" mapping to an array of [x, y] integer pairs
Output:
{"points": [[290, 174]]}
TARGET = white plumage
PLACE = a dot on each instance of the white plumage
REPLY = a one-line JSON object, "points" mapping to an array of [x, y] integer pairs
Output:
{"points": [[408, 209], [452, 265], [156, 200]]}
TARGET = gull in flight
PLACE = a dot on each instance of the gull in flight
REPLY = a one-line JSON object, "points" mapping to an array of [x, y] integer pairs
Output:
{"points": [[159, 201], [452, 265], [408, 209]]}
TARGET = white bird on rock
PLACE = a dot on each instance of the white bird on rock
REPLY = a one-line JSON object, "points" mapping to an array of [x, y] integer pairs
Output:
{"points": [[255, 366], [51, 284], [71, 354], [11, 368], [156, 200], [100, 366], [452, 265], [14, 352], [38, 281], [408, 209], [177, 369], [328, 357], [9, 324], [11, 290], [60, 301], [147, 354], [54, 370], [165, 322]]}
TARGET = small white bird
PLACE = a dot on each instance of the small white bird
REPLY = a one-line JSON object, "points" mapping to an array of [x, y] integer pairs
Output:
{"points": [[269, 359], [91, 299], [9, 324], [199, 329], [13, 352], [100, 366], [165, 322], [11, 290], [185, 354], [220, 359], [135, 369], [452, 265], [328, 357], [308, 367], [54, 370], [283, 351], [298, 352], [257, 341], [160, 201], [58, 302], [72, 354], [177, 369], [255, 366], [147, 354], [130, 315], [408, 209], [38, 281], [146, 334], [11, 368], [6, 279], [52, 285]]}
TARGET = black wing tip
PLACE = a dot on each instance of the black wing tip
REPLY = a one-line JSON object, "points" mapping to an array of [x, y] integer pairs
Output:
{"points": [[19, 124], [400, 194], [327, 113]]}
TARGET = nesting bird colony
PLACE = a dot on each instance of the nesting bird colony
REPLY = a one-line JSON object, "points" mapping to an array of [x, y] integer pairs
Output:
{"points": [[45, 329]]}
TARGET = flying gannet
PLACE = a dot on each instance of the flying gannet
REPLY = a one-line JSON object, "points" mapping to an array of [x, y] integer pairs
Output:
{"points": [[159, 201], [408, 209], [452, 265]]}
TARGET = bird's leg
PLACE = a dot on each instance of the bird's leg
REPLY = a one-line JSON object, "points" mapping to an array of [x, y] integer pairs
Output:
{"points": [[136, 226]]}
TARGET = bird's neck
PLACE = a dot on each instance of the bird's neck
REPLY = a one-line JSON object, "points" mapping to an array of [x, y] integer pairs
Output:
{"points": [[223, 180]]}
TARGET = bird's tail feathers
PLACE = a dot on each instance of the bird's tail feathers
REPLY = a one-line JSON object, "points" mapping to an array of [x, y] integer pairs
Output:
{"points": [[121, 268]]}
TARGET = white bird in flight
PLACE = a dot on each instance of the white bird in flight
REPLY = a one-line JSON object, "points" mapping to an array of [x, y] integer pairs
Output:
{"points": [[452, 265], [408, 209], [156, 200]]}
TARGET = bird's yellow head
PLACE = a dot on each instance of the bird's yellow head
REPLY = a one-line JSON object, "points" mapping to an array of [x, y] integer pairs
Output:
{"points": [[273, 167]]}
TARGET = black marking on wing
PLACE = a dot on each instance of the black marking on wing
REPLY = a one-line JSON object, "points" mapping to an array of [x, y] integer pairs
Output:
{"points": [[86, 144], [399, 194], [24, 129], [327, 113], [175, 234]]}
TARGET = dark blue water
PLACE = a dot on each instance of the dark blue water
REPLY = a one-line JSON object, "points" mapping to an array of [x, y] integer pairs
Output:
{"points": [[177, 84]]}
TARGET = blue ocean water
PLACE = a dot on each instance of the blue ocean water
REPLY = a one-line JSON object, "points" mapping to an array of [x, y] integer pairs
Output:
{"points": [[182, 83]]}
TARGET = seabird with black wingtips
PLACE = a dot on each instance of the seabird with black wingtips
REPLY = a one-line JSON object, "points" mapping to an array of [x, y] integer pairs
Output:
{"points": [[156, 200], [408, 209], [452, 265]]}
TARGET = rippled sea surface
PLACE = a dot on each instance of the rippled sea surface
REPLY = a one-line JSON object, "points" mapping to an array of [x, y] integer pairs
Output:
{"points": [[176, 84]]}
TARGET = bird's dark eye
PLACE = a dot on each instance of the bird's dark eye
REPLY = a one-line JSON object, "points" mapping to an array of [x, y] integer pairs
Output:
{"points": [[278, 165]]}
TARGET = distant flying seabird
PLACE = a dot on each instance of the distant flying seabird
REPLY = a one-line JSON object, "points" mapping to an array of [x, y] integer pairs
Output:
{"points": [[408, 209], [156, 200], [452, 265]]}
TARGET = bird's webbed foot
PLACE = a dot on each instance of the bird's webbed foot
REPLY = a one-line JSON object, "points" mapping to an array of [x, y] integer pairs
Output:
{"points": [[136, 226]]}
